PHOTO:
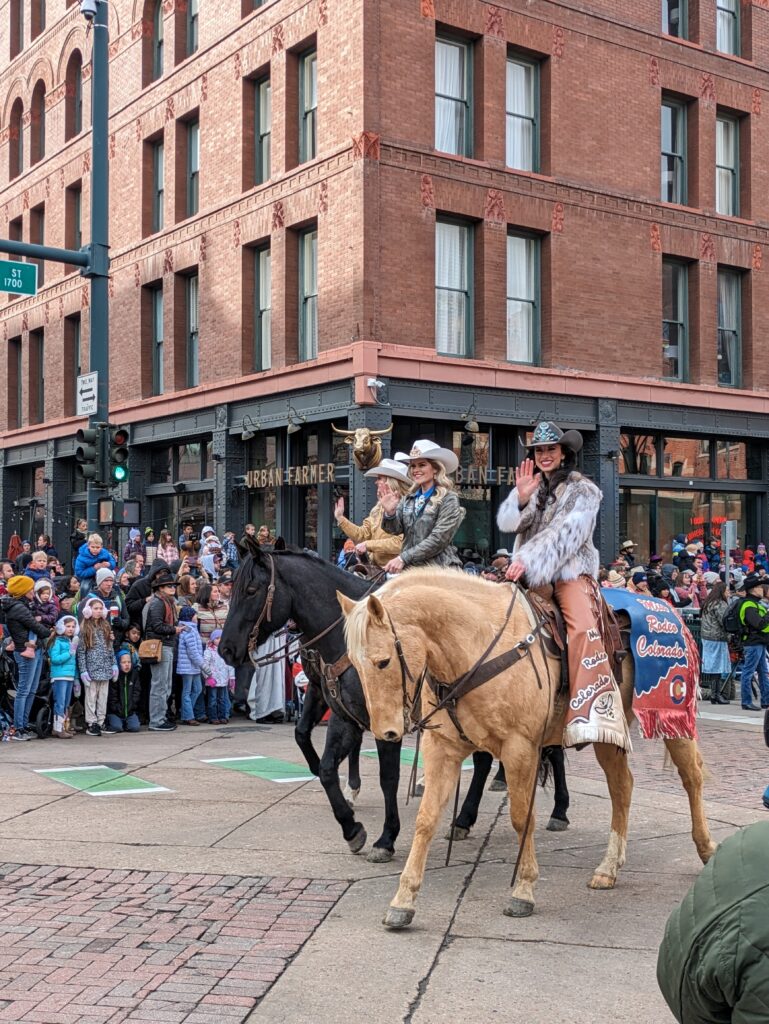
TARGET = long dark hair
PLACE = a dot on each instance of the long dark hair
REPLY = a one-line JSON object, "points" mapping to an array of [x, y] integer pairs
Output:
{"points": [[547, 488], [718, 593]]}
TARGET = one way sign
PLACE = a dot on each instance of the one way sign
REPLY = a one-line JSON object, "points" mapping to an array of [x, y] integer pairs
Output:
{"points": [[87, 386]]}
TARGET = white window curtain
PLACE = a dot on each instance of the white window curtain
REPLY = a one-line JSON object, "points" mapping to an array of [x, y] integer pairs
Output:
{"points": [[265, 310], [520, 115], [451, 288], [450, 97], [521, 298], [726, 166], [726, 26], [310, 295], [728, 327]]}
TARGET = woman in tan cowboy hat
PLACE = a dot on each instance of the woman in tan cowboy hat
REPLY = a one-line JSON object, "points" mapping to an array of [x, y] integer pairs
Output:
{"points": [[430, 514], [370, 537], [553, 512]]}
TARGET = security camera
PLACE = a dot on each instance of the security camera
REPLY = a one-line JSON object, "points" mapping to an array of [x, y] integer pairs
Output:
{"points": [[88, 9], [373, 382]]}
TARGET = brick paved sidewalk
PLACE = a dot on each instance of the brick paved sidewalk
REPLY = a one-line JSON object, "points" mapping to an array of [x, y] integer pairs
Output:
{"points": [[85, 946]]}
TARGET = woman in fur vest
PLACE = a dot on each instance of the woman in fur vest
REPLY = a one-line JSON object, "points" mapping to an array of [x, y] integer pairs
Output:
{"points": [[553, 512]]}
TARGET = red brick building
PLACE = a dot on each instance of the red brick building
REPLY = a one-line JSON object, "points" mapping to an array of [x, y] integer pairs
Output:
{"points": [[501, 212]]}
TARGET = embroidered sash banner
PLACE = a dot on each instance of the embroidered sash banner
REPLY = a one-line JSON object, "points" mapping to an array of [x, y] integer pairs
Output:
{"points": [[667, 665]]}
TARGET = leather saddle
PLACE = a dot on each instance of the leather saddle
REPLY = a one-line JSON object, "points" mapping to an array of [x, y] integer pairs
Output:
{"points": [[615, 637]]}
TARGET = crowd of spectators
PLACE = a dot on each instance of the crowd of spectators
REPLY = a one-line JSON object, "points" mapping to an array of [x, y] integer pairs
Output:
{"points": [[120, 641]]}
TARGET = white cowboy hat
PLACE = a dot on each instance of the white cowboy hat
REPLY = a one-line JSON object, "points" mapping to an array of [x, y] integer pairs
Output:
{"points": [[430, 450], [391, 468]]}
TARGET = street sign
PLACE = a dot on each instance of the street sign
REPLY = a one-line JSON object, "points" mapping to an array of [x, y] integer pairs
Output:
{"points": [[18, 278], [87, 386]]}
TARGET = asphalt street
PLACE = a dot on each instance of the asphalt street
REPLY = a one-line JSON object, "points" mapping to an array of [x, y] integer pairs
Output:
{"points": [[199, 877]]}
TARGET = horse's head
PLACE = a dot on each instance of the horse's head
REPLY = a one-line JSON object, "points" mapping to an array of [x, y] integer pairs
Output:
{"points": [[371, 647], [251, 597]]}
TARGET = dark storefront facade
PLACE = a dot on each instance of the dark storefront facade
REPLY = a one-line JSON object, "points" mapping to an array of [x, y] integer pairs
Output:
{"points": [[663, 470]]}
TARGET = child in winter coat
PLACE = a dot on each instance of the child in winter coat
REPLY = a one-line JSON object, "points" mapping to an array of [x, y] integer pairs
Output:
{"points": [[62, 654], [189, 663], [92, 556], [219, 677], [96, 664], [124, 694], [45, 606]]}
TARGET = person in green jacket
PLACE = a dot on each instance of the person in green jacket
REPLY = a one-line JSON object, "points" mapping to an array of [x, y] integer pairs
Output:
{"points": [[713, 964]]}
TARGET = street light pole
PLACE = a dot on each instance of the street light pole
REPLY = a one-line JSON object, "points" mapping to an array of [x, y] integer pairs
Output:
{"points": [[98, 268]]}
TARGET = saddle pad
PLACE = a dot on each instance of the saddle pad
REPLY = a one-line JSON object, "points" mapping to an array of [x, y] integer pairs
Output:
{"points": [[667, 665]]}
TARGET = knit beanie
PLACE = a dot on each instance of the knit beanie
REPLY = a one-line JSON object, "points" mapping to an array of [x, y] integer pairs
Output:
{"points": [[148, 530], [104, 574], [133, 534], [187, 614], [216, 634], [18, 586]]}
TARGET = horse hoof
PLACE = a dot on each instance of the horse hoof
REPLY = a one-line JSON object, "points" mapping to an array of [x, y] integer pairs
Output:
{"points": [[459, 833], [602, 882], [396, 918], [419, 789], [358, 841], [708, 852], [380, 855], [557, 825], [518, 908], [350, 795], [498, 786]]}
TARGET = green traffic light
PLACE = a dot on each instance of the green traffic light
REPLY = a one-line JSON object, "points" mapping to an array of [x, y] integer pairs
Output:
{"points": [[119, 474]]}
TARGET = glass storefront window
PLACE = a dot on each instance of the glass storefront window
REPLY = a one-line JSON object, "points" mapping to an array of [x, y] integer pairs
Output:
{"points": [[189, 461], [263, 501], [686, 456], [170, 511], [161, 466], [737, 461], [475, 532], [636, 520], [638, 454]]}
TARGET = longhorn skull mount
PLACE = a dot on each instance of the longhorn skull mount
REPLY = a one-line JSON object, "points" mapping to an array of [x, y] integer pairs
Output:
{"points": [[366, 445]]}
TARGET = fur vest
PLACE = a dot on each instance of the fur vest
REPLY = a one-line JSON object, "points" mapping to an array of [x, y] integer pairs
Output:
{"points": [[557, 543]]}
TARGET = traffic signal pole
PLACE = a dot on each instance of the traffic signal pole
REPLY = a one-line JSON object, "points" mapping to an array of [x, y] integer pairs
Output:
{"points": [[92, 259]]}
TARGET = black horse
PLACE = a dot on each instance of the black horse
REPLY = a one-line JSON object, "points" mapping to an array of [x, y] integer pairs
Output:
{"points": [[305, 590]]}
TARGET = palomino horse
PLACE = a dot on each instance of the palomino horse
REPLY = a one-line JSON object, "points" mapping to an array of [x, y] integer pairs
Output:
{"points": [[408, 632]]}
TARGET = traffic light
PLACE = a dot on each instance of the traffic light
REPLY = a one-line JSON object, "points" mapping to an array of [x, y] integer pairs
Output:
{"points": [[118, 454], [90, 453]]}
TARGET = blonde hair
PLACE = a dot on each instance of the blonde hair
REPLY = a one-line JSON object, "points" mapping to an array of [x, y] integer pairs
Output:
{"points": [[443, 482], [399, 487], [94, 538]]}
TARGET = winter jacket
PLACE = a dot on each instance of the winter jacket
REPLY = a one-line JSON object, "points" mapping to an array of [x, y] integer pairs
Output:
{"points": [[156, 628], [124, 694], [76, 541], [556, 543], [215, 667], [38, 574], [712, 621], [230, 552], [98, 661], [713, 964], [168, 554], [48, 611], [755, 620], [380, 545], [189, 656], [63, 660], [132, 549], [85, 563], [117, 613], [141, 589], [427, 538], [20, 621]]}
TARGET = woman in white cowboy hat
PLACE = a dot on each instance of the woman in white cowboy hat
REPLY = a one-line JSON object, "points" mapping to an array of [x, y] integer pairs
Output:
{"points": [[370, 537], [430, 514], [553, 513]]}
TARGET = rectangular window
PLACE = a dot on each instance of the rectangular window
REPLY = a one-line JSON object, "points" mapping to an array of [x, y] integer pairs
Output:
{"points": [[453, 288], [727, 165], [191, 320], [262, 310], [72, 362], [193, 167], [157, 41], [308, 294], [262, 130], [73, 215], [673, 155], [308, 106], [453, 88], [674, 18], [37, 237], [37, 376], [157, 338], [158, 184], [729, 328], [192, 26], [675, 318], [522, 127], [728, 26], [15, 382], [522, 298]]}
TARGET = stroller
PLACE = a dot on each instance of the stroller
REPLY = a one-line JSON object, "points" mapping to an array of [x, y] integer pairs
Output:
{"points": [[41, 713]]}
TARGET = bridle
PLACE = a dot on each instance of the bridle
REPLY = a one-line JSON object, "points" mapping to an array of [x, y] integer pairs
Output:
{"points": [[266, 611]]}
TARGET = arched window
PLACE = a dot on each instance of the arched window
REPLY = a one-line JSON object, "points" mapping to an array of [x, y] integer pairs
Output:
{"points": [[37, 130], [73, 113], [16, 140]]}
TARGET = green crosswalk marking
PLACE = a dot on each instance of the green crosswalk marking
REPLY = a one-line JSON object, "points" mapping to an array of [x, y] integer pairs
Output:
{"points": [[270, 768], [99, 780], [407, 757]]}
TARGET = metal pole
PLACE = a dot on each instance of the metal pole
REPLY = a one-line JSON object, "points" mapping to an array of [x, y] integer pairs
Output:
{"points": [[98, 270]]}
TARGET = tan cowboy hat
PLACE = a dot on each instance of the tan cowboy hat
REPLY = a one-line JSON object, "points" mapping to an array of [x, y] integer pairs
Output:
{"points": [[391, 468], [626, 545], [424, 449], [546, 433]]}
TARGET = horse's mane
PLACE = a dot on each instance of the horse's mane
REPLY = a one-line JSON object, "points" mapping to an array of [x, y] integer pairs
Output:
{"points": [[251, 562]]}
